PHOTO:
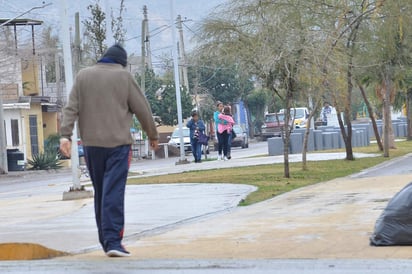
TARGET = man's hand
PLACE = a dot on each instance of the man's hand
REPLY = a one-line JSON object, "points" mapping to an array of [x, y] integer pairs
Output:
{"points": [[65, 147], [154, 144]]}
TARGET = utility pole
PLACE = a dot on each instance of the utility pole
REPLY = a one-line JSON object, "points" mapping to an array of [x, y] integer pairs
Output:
{"points": [[76, 43], [182, 159], [77, 191], [3, 150], [68, 71], [182, 55], [57, 72], [144, 38]]}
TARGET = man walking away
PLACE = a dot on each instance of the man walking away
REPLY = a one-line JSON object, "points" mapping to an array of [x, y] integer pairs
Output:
{"points": [[103, 99]]}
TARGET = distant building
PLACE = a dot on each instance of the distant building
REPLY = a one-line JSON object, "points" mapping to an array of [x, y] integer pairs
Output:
{"points": [[29, 116]]}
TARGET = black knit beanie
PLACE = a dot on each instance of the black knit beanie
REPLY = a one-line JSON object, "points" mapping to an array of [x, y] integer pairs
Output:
{"points": [[117, 53]]}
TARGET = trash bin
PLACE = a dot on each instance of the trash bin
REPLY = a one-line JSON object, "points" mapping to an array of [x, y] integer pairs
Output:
{"points": [[15, 160]]}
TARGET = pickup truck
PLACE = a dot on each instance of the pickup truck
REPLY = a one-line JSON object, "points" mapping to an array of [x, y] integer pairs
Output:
{"points": [[273, 125]]}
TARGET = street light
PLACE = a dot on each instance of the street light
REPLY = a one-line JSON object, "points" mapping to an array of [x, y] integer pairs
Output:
{"points": [[76, 191], [20, 15], [182, 159], [68, 71]]}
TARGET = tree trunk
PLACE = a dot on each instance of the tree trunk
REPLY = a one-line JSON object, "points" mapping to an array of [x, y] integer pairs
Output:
{"points": [[251, 125], [286, 139], [409, 113], [287, 131], [349, 149], [370, 111], [392, 144], [306, 136], [347, 134], [388, 125], [385, 89], [286, 169], [305, 143], [385, 135]]}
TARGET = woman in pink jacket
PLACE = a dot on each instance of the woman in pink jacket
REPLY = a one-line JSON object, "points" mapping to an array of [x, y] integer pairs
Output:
{"points": [[226, 130]]}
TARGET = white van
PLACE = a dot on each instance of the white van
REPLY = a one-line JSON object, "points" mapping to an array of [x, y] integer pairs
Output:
{"points": [[300, 115]]}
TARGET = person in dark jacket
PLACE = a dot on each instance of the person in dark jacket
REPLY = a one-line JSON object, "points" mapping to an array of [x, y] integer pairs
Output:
{"points": [[196, 127], [103, 99]]}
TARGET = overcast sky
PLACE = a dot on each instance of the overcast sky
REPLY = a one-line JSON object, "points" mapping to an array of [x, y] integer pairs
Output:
{"points": [[158, 12]]}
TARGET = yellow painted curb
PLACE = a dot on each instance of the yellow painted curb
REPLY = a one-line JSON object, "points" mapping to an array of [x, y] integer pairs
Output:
{"points": [[27, 251]]}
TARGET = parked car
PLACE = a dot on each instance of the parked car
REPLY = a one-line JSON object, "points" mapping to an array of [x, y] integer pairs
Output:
{"points": [[273, 125], [241, 139], [174, 140]]}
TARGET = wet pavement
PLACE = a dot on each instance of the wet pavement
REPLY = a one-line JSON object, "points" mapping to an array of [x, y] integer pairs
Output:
{"points": [[46, 220], [197, 228]]}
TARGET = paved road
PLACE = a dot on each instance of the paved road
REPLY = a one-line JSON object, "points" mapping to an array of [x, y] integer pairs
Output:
{"points": [[120, 266], [399, 166]]}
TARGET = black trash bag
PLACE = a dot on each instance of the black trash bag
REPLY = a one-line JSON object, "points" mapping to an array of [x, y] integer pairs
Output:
{"points": [[394, 226]]}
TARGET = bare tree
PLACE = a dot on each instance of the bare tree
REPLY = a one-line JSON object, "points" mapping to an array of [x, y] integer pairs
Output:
{"points": [[119, 32], [95, 31]]}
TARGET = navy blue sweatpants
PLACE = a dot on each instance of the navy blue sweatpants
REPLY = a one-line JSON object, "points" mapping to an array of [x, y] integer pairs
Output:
{"points": [[108, 168]]}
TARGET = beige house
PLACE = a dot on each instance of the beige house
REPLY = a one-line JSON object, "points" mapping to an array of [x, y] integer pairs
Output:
{"points": [[28, 118], [28, 121]]}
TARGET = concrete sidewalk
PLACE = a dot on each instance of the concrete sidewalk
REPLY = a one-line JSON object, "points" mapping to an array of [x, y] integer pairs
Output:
{"points": [[168, 166], [195, 221], [69, 226], [326, 220]]}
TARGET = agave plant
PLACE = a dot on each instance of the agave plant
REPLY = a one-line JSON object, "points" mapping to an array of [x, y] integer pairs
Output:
{"points": [[50, 159], [45, 161]]}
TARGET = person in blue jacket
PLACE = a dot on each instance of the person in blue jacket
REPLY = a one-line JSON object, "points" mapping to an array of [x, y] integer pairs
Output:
{"points": [[196, 127]]}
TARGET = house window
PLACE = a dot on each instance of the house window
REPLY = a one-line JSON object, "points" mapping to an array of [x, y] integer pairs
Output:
{"points": [[15, 132], [34, 140]]}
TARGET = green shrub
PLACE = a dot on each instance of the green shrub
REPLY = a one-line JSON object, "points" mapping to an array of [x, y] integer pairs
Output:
{"points": [[50, 159], [45, 161]]}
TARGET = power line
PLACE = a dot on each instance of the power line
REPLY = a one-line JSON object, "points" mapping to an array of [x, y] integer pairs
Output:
{"points": [[192, 31], [159, 29]]}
